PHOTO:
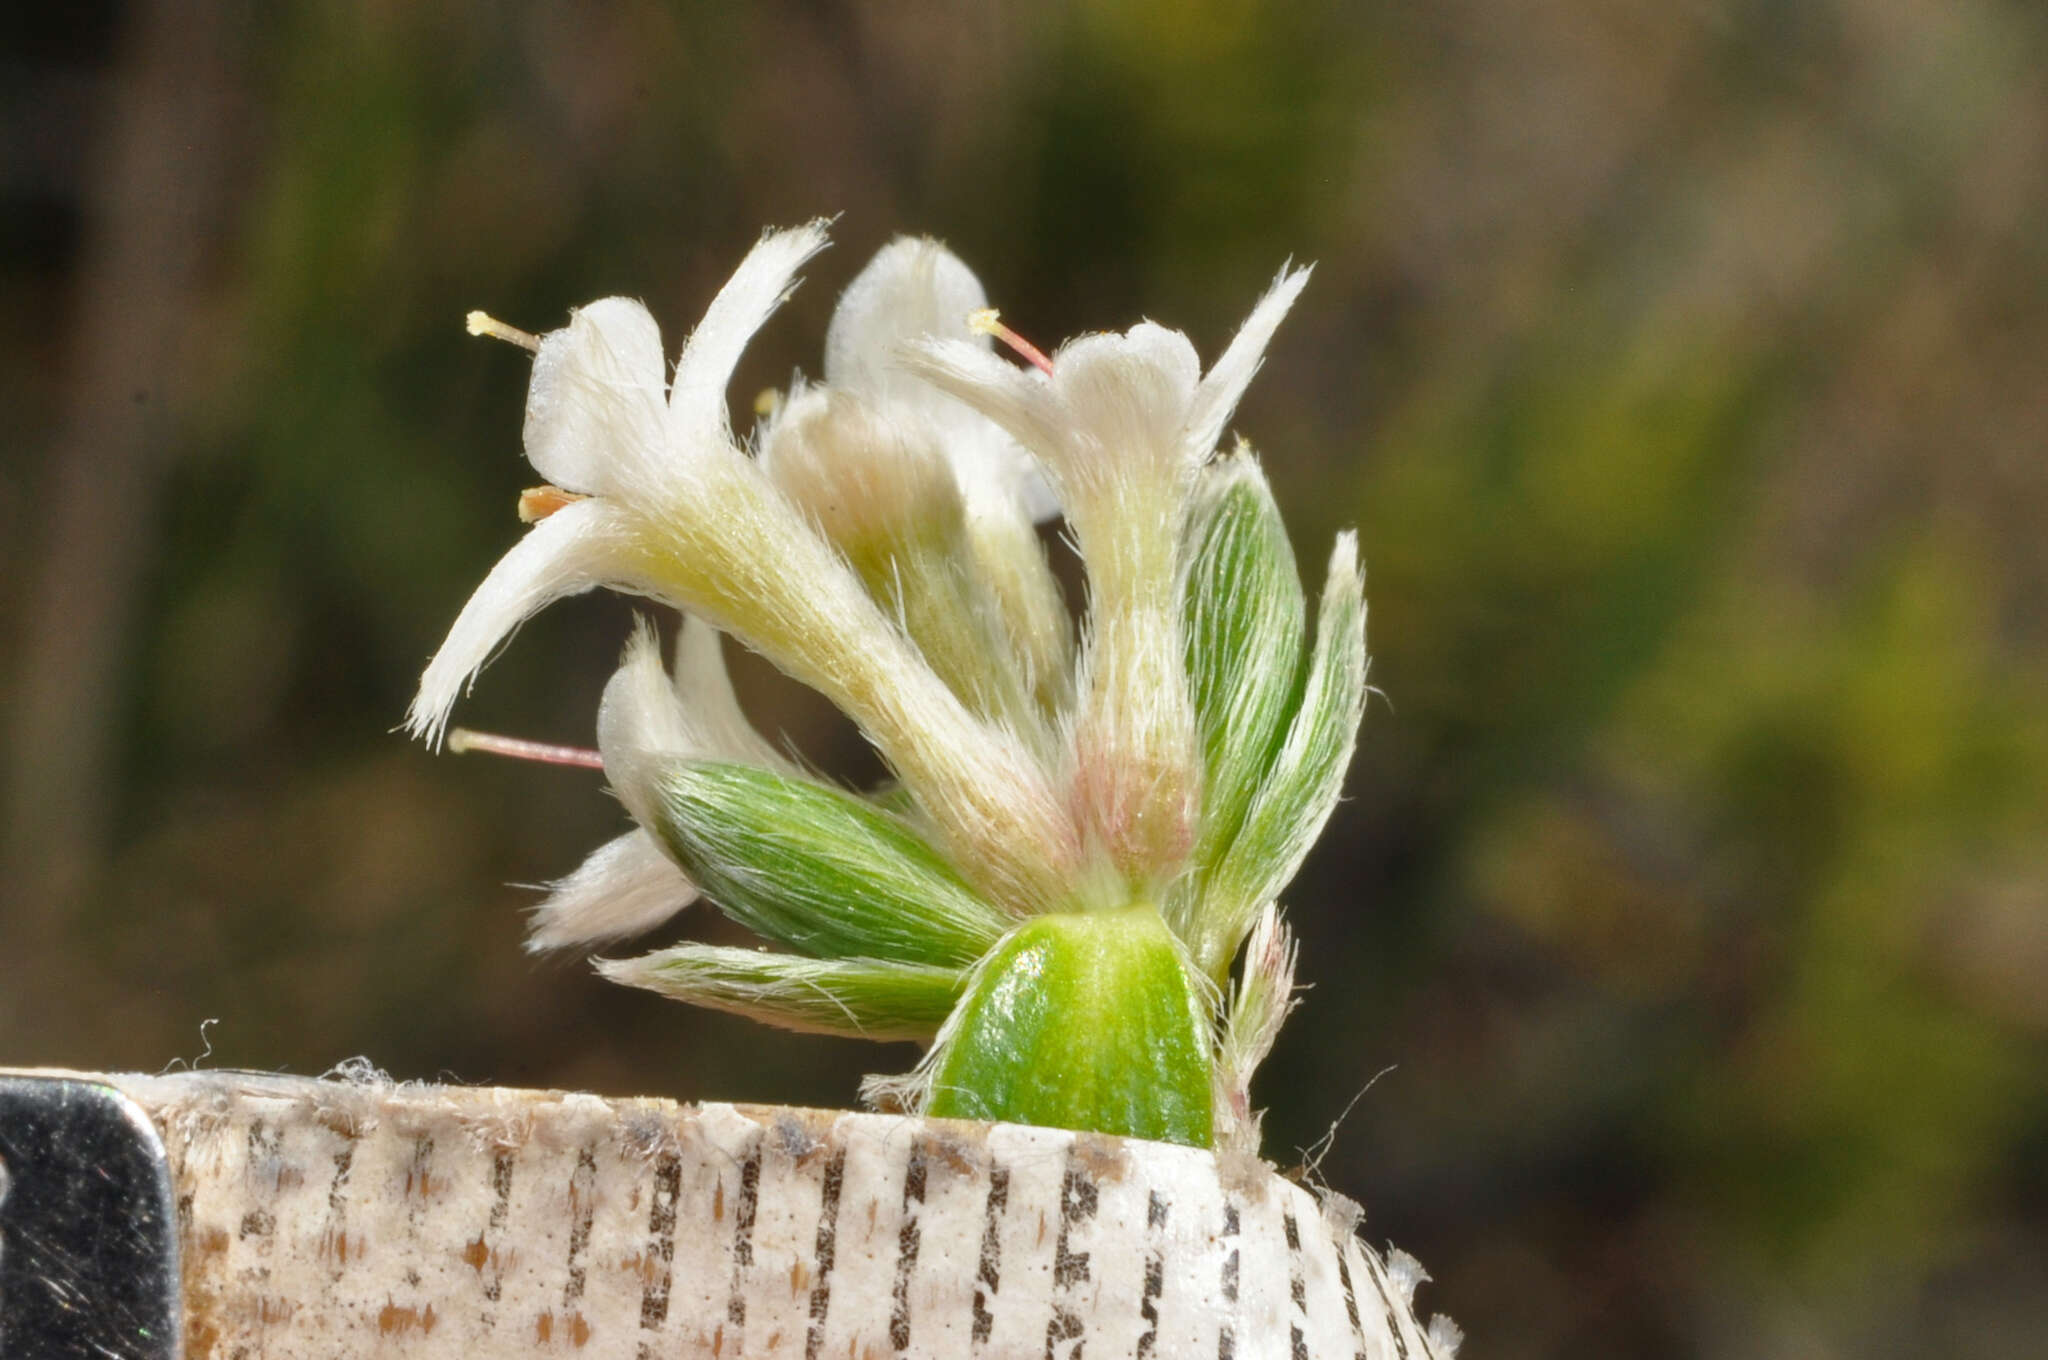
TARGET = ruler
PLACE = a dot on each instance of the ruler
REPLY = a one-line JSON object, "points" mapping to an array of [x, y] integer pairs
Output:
{"points": [[231, 1216]]}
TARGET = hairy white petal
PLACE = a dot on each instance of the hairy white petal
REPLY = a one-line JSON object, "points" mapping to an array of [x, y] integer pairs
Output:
{"points": [[867, 472], [626, 886], [1010, 559], [704, 690], [998, 471], [584, 545], [760, 285], [594, 411], [641, 721], [1107, 427], [1225, 383], [756, 568], [912, 288], [1136, 385], [915, 289], [1020, 400], [647, 716]]}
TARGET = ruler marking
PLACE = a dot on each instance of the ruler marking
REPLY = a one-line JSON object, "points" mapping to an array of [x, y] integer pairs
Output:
{"points": [[344, 1161], [1372, 1272], [1155, 1274], [1065, 1326], [1230, 1262], [743, 1235], [1226, 1336], [334, 1241], [826, 1251], [988, 1274], [582, 1211], [1079, 1198], [661, 1239], [261, 1144], [494, 1227], [907, 1238], [1350, 1297], [1297, 1283], [418, 1178]]}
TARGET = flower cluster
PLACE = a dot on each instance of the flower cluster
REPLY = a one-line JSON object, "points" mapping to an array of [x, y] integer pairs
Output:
{"points": [[1085, 824]]}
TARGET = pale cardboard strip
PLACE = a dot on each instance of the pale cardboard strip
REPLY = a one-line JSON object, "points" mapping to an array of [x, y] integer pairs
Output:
{"points": [[322, 1219]]}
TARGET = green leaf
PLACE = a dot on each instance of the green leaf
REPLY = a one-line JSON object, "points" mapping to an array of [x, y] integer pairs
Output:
{"points": [[1245, 631], [1306, 775], [818, 869], [1082, 1022], [861, 998]]}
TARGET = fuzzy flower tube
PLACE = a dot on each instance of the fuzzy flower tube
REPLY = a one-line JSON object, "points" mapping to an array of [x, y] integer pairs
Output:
{"points": [[1069, 888]]}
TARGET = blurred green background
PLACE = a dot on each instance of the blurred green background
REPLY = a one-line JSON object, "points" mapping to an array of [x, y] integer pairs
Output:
{"points": [[1684, 366]]}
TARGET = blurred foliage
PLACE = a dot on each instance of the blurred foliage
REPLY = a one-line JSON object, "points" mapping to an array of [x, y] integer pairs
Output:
{"points": [[1681, 365]]}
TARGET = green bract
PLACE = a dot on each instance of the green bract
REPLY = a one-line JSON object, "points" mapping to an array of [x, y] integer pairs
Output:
{"points": [[1083, 1021], [817, 869], [860, 998], [1084, 824]]}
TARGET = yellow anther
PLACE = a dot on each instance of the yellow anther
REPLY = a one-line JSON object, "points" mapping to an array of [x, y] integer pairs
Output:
{"points": [[483, 323], [988, 321], [536, 503]]}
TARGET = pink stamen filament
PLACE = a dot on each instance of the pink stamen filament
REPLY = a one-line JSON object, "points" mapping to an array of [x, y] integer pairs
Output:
{"points": [[987, 322], [462, 739]]}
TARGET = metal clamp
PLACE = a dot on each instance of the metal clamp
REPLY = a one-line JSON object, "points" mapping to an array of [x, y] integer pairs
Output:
{"points": [[88, 1225]]}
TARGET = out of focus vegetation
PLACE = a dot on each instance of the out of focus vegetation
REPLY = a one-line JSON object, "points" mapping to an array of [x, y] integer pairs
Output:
{"points": [[1685, 367]]}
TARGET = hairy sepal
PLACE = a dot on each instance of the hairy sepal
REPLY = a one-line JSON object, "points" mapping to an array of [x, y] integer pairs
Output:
{"points": [[816, 868], [1091, 1021], [856, 998], [1245, 630], [1301, 787], [1260, 1004]]}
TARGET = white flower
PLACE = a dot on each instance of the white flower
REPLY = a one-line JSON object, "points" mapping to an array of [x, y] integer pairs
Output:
{"points": [[603, 422], [672, 508], [932, 503], [915, 290], [1122, 424], [1077, 848]]}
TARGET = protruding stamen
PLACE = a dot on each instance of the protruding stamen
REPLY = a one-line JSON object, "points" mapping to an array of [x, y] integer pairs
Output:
{"points": [[483, 323], [462, 739], [987, 321], [767, 402], [536, 503]]}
